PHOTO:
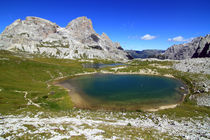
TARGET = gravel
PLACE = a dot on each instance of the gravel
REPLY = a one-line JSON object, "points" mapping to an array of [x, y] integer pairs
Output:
{"points": [[196, 65], [15, 126]]}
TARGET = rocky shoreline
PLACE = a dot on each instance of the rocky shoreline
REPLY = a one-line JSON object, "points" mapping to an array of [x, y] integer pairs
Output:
{"points": [[197, 66]]}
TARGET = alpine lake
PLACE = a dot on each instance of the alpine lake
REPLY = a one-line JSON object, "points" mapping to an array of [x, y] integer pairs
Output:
{"points": [[124, 91]]}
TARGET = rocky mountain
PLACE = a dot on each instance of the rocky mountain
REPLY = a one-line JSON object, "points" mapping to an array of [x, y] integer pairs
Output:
{"points": [[145, 53], [77, 40], [198, 47]]}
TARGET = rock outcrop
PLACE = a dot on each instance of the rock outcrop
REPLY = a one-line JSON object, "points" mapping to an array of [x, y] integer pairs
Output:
{"points": [[196, 65], [77, 40], [198, 47]]}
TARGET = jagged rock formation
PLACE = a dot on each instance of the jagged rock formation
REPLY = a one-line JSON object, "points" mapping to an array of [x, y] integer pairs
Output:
{"points": [[198, 47], [145, 53], [77, 40]]}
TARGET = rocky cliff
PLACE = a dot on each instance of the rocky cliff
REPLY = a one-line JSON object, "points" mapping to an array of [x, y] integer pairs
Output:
{"points": [[198, 47], [77, 40]]}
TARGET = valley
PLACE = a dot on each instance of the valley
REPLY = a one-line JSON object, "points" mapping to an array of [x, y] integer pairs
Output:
{"points": [[47, 111]]}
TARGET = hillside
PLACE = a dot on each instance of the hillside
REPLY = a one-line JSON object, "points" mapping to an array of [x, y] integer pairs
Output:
{"points": [[32, 107]]}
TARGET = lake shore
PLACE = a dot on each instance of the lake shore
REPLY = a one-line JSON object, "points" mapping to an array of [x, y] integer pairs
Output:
{"points": [[167, 106], [76, 98], [81, 101], [141, 72], [162, 108]]}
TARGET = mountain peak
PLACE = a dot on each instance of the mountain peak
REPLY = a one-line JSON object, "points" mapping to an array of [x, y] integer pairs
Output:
{"points": [[80, 24], [198, 47], [77, 40], [38, 20]]}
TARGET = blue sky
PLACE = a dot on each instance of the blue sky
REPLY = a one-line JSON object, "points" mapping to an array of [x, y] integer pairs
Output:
{"points": [[136, 24]]}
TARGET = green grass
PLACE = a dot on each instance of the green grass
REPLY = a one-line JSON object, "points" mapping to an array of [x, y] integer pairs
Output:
{"points": [[21, 72], [186, 109], [132, 132], [34, 74], [18, 73]]}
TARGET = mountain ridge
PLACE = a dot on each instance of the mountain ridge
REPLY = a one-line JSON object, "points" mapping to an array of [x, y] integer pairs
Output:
{"points": [[198, 47], [148, 53], [75, 41], [79, 40]]}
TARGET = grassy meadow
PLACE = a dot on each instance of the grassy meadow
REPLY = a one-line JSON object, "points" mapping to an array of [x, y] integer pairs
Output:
{"points": [[21, 73], [27, 92]]}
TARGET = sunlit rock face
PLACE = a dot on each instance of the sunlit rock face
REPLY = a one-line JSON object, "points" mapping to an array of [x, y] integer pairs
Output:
{"points": [[77, 40], [198, 47]]}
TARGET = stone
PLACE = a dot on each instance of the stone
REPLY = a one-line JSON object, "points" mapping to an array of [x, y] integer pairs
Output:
{"points": [[203, 99], [197, 48], [78, 40], [182, 88], [172, 123], [204, 85], [195, 65]]}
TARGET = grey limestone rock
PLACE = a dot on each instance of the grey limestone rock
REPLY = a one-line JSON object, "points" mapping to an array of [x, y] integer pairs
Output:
{"points": [[198, 47], [77, 40], [195, 65]]}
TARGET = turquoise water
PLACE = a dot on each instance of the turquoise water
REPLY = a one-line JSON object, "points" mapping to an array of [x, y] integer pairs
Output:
{"points": [[127, 91]]}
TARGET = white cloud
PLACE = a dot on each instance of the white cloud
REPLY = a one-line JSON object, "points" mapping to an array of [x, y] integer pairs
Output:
{"points": [[180, 39], [148, 37]]}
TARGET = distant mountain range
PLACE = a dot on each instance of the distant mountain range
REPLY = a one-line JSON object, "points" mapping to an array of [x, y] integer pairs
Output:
{"points": [[145, 53], [197, 48], [78, 40]]}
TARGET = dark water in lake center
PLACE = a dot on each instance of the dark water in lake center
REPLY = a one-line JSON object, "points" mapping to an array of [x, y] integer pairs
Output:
{"points": [[127, 91]]}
